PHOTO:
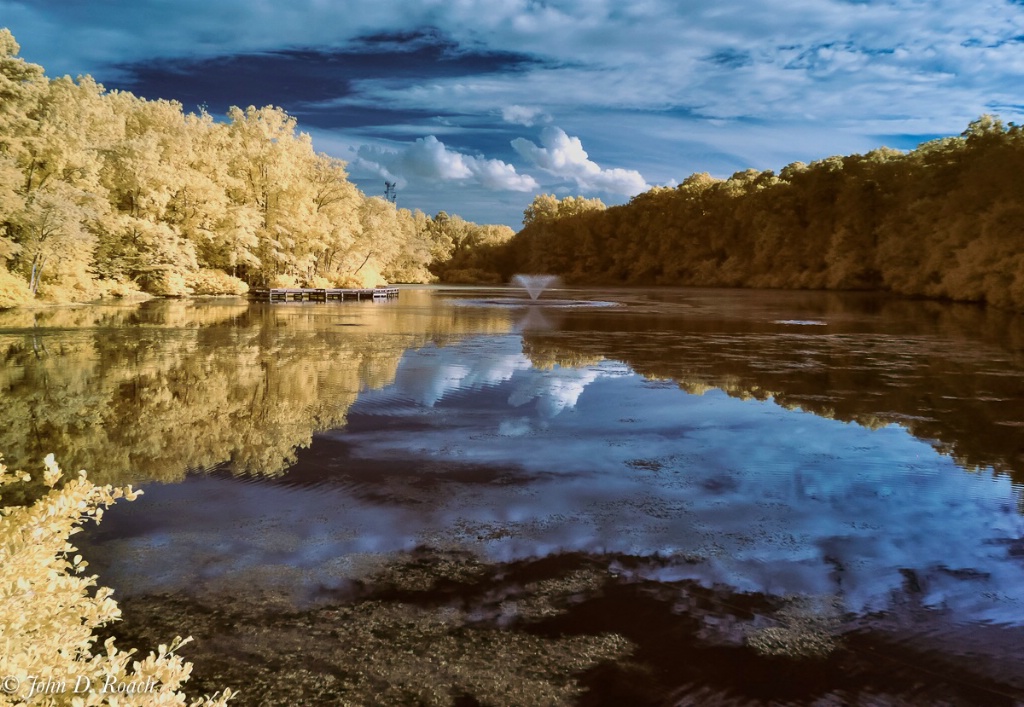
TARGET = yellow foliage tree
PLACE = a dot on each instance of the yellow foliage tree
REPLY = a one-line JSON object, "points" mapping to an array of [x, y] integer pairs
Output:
{"points": [[50, 610], [104, 192]]}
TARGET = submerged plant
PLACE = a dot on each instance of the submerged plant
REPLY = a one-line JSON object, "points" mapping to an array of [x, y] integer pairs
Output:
{"points": [[807, 627]]}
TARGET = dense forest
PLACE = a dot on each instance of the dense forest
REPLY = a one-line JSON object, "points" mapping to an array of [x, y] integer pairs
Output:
{"points": [[945, 220], [103, 193]]}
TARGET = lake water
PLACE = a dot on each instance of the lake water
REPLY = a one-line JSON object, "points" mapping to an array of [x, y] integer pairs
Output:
{"points": [[615, 497]]}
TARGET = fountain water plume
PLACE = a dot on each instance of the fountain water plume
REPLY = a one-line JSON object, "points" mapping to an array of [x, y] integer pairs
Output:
{"points": [[535, 284]]}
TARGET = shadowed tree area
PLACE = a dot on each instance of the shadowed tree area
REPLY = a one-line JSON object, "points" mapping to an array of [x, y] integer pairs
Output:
{"points": [[945, 220]]}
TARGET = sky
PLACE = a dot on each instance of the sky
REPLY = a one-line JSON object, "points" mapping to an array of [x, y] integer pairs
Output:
{"points": [[475, 106]]}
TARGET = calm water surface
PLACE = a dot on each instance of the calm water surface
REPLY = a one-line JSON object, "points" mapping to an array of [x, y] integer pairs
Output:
{"points": [[618, 497]]}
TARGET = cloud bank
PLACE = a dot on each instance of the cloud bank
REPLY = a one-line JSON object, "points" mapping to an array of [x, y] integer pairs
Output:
{"points": [[716, 87], [564, 156], [428, 159], [829, 59], [524, 115]]}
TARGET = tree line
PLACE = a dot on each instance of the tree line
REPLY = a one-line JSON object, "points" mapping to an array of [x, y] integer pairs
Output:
{"points": [[103, 193], [945, 220]]}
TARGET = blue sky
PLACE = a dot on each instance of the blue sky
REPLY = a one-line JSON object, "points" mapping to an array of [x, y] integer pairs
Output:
{"points": [[475, 106]]}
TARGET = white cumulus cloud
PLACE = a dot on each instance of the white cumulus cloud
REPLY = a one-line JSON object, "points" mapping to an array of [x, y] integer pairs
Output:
{"points": [[429, 159], [665, 87], [524, 115], [564, 156]]}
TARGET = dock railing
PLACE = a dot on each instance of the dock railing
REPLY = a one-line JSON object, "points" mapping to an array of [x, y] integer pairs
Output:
{"points": [[310, 294]]}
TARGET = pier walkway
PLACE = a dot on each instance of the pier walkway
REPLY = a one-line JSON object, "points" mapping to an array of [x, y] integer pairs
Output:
{"points": [[308, 294]]}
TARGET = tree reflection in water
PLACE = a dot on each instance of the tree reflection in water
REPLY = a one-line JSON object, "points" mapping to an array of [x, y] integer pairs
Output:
{"points": [[671, 488]]}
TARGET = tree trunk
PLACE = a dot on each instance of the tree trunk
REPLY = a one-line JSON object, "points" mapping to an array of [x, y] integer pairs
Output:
{"points": [[37, 272], [365, 260]]}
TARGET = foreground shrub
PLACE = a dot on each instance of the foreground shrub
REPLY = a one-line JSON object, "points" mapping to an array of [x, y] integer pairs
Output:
{"points": [[317, 282], [120, 289], [49, 611], [209, 281], [165, 283], [289, 281]]}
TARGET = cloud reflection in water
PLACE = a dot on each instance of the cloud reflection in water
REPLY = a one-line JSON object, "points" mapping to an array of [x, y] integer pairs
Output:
{"points": [[518, 462]]}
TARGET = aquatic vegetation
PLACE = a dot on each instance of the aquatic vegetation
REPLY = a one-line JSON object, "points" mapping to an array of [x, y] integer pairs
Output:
{"points": [[425, 648], [806, 627]]}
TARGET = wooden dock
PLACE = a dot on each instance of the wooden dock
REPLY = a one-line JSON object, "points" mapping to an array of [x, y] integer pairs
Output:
{"points": [[292, 294]]}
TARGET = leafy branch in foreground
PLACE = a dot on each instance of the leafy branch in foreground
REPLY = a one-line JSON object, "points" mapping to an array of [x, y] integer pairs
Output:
{"points": [[49, 610]]}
